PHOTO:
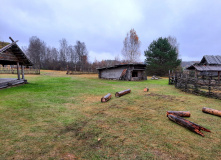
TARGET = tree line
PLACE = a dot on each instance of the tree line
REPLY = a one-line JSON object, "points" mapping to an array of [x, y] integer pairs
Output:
{"points": [[162, 55], [66, 56]]}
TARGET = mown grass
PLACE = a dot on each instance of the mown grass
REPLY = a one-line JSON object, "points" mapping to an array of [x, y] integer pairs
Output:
{"points": [[57, 116]]}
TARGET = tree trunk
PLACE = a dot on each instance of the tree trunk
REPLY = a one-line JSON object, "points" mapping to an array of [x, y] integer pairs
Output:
{"points": [[211, 111], [106, 98], [179, 113], [121, 93], [188, 124]]}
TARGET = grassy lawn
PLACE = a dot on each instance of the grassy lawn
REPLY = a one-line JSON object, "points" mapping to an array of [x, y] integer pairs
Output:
{"points": [[59, 116]]}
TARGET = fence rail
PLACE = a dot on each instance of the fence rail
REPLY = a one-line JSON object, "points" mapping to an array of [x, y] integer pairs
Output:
{"points": [[80, 72], [200, 85], [14, 71]]}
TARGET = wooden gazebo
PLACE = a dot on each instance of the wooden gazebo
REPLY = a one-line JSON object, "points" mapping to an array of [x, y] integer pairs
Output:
{"points": [[11, 54]]}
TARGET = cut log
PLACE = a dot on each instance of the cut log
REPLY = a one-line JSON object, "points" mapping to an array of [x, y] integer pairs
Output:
{"points": [[188, 124], [121, 93], [211, 111], [179, 113], [146, 89], [106, 98]]}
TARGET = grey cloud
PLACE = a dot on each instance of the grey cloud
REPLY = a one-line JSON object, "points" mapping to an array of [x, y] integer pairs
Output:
{"points": [[103, 25]]}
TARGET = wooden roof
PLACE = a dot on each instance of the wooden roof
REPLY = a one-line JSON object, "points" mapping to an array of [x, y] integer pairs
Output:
{"points": [[211, 60], [11, 54], [143, 66], [202, 68]]}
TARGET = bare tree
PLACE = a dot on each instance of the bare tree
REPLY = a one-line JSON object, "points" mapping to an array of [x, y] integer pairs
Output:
{"points": [[81, 53], [63, 50], [73, 55], [36, 51], [173, 42], [131, 47]]}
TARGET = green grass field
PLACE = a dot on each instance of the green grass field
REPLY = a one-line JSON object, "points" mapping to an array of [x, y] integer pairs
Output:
{"points": [[59, 116]]}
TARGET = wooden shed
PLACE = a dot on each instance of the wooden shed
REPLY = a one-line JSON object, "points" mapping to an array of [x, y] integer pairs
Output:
{"points": [[128, 72], [11, 54], [209, 66]]}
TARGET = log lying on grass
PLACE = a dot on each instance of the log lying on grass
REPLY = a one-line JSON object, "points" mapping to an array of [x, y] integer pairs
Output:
{"points": [[211, 111], [146, 89], [121, 93], [188, 124], [179, 113], [106, 98]]}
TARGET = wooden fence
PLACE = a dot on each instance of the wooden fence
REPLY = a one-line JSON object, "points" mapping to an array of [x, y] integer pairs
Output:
{"points": [[4, 70], [193, 83], [80, 72]]}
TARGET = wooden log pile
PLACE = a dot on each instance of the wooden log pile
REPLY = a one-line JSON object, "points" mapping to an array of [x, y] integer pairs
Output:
{"points": [[121, 93], [175, 116], [106, 98], [211, 111]]}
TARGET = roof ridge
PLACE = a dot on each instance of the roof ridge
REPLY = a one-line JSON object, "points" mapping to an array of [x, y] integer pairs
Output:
{"points": [[8, 46]]}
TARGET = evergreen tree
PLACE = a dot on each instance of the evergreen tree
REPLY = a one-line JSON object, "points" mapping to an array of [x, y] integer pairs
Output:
{"points": [[161, 57]]}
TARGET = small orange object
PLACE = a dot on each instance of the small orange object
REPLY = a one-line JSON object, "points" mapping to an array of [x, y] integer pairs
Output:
{"points": [[146, 89]]}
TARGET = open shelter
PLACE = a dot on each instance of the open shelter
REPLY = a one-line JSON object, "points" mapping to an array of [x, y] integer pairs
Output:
{"points": [[11, 54]]}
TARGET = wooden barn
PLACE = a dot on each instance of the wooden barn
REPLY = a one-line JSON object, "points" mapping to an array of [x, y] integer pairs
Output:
{"points": [[128, 72], [209, 66], [11, 54]]}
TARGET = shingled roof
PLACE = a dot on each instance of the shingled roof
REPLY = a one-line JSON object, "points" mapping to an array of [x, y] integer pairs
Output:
{"points": [[11, 54], [204, 68], [211, 60]]}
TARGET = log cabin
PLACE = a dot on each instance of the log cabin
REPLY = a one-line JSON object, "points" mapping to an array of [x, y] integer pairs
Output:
{"points": [[208, 66]]}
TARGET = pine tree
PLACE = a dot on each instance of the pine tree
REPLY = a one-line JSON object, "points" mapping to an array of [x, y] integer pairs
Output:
{"points": [[161, 57]]}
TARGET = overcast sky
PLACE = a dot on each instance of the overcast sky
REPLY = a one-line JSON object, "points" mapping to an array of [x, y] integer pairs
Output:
{"points": [[103, 24]]}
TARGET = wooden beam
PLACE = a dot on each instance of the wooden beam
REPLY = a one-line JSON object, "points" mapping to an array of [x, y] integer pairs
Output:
{"points": [[18, 72], [22, 72], [11, 39]]}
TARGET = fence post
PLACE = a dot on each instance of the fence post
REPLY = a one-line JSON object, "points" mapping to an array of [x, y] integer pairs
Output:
{"points": [[209, 86], [169, 77], [196, 83]]}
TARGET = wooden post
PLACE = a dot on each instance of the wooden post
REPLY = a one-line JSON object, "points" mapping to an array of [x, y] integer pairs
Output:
{"points": [[22, 72], [169, 77], [218, 76], [18, 72]]}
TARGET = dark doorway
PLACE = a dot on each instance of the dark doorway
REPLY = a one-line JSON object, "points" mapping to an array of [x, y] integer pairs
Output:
{"points": [[134, 74]]}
